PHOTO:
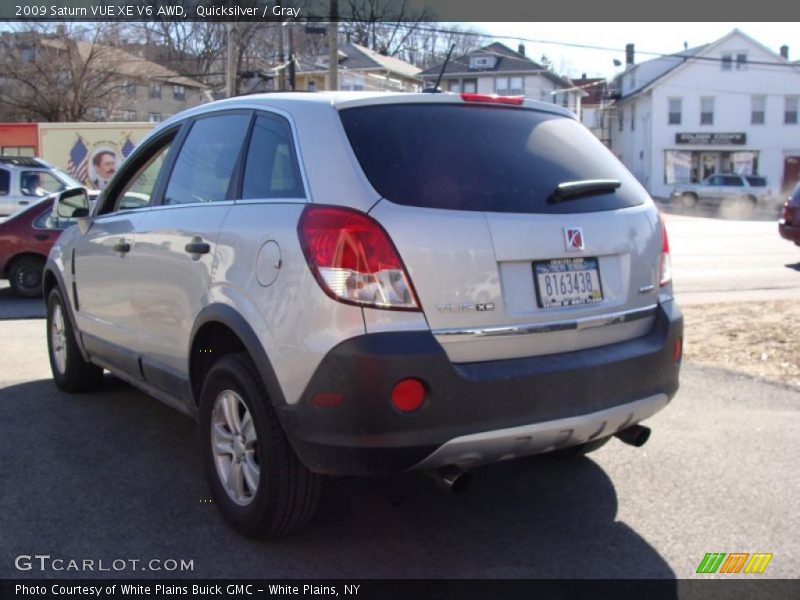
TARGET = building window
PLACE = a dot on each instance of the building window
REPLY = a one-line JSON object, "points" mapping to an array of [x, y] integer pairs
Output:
{"points": [[155, 90], [154, 117], [621, 119], [758, 104], [633, 117], [508, 86], [178, 92], [18, 151], [706, 111], [129, 88], [312, 86], [128, 115], [28, 54], [675, 111], [727, 62], [481, 62], [454, 85], [741, 61], [470, 86], [99, 113], [790, 110]]}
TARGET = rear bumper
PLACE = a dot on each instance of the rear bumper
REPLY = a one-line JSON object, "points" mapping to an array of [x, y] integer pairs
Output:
{"points": [[789, 232], [476, 412]]}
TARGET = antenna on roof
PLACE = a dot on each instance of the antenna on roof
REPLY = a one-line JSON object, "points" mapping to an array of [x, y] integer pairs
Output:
{"points": [[441, 73]]}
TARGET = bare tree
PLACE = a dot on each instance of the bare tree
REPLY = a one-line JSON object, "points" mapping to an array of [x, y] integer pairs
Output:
{"points": [[61, 74]]}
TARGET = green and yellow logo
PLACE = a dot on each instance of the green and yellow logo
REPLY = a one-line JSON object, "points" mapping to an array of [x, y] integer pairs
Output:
{"points": [[736, 562]]}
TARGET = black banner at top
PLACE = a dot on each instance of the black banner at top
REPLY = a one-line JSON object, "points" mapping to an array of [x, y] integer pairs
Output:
{"points": [[387, 10]]}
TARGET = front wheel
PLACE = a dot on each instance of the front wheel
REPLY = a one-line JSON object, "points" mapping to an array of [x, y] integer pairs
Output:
{"points": [[255, 477], [688, 200], [70, 371]]}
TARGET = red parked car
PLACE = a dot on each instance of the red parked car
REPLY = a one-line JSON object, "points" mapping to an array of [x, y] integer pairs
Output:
{"points": [[789, 225], [25, 242]]}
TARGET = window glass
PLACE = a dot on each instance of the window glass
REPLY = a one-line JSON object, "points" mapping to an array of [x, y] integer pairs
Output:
{"points": [[271, 170], [39, 183], [706, 111], [727, 61], [482, 158], [757, 181], [790, 110], [205, 164], [757, 111], [470, 86], [138, 192], [5, 182], [715, 180], [674, 111], [732, 180]]}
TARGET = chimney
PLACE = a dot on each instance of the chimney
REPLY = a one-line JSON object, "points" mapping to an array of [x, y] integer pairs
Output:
{"points": [[628, 55], [785, 51], [521, 49]]}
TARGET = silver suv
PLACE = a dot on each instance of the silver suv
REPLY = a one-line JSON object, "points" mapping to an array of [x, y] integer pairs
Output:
{"points": [[725, 187], [363, 283], [25, 180]]}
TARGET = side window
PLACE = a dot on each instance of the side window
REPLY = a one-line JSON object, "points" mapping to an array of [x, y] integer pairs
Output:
{"points": [[206, 160], [5, 182], [137, 193], [38, 183], [271, 170], [715, 180], [733, 180]]}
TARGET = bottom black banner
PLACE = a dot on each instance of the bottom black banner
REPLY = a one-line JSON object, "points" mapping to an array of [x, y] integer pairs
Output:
{"points": [[465, 589]]}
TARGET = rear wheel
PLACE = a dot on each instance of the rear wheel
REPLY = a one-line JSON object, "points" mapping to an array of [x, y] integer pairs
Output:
{"points": [[70, 371], [688, 200], [579, 450], [256, 479], [25, 276]]}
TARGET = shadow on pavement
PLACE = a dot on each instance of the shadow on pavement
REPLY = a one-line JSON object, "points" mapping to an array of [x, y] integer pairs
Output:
{"points": [[116, 474], [13, 306]]}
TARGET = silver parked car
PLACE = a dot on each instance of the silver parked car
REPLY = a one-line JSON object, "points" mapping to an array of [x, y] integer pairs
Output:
{"points": [[729, 187], [362, 283], [26, 180]]}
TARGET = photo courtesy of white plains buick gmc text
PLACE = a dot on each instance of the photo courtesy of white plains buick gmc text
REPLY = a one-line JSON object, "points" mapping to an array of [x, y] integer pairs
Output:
{"points": [[365, 283]]}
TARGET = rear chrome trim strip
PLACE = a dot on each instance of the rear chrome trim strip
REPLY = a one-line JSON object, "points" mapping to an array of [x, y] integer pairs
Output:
{"points": [[531, 328], [501, 444]]}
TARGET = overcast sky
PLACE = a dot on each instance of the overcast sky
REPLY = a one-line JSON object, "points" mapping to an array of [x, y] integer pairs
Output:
{"points": [[653, 37]]}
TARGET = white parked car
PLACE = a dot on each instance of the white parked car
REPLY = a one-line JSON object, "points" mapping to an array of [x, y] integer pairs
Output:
{"points": [[26, 180], [361, 283]]}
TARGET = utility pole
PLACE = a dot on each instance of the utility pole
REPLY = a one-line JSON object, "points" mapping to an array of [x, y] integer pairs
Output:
{"points": [[281, 58], [291, 57], [333, 47], [231, 62]]}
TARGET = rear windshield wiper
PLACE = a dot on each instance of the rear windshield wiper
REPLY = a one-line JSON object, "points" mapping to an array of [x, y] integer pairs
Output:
{"points": [[570, 190]]}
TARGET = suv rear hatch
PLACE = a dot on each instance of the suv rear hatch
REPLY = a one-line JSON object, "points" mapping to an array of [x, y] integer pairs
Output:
{"points": [[521, 232]]}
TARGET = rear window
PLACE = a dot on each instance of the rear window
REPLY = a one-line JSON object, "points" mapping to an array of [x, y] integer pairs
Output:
{"points": [[757, 181], [482, 158]]}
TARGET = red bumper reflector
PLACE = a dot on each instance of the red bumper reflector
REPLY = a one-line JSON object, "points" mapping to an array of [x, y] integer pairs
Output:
{"points": [[677, 350], [328, 399], [408, 395]]}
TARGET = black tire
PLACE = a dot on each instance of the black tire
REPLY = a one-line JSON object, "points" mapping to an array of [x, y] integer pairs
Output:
{"points": [[25, 276], [77, 374], [579, 450], [286, 495], [689, 200]]}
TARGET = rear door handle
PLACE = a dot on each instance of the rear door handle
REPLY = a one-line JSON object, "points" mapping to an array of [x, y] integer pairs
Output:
{"points": [[197, 248], [122, 247]]}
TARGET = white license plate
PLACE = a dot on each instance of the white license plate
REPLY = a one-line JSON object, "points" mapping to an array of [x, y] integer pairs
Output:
{"points": [[567, 282]]}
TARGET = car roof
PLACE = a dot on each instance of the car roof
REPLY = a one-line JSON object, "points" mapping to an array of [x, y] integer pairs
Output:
{"points": [[24, 162], [288, 101]]}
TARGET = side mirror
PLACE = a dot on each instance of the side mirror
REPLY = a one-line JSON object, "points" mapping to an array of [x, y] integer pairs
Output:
{"points": [[72, 204]]}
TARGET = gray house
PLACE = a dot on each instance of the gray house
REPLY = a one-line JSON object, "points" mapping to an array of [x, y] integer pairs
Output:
{"points": [[497, 69]]}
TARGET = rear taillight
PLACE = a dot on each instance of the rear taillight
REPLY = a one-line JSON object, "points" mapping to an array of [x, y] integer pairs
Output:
{"points": [[786, 212], [353, 259], [665, 263]]}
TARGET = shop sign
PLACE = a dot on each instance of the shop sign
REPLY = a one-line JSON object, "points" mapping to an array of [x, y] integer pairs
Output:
{"points": [[711, 138]]}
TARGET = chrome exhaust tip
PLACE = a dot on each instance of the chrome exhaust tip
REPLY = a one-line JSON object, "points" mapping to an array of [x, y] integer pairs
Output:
{"points": [[451, 478], [635, 435]]}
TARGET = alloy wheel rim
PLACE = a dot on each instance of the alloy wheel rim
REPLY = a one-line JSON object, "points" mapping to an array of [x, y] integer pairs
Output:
{"points": [[58, 339], [234, 445]]}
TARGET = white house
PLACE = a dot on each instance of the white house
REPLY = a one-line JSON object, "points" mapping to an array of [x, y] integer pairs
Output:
{"points": [[497, 69], [728, 106]]}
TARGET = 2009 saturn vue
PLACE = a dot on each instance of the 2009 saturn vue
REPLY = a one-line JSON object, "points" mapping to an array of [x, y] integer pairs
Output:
{"points": [[362, 283]]}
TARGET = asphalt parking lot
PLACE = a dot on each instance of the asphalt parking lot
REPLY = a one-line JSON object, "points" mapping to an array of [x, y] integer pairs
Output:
{"points": [[116, 475]]}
